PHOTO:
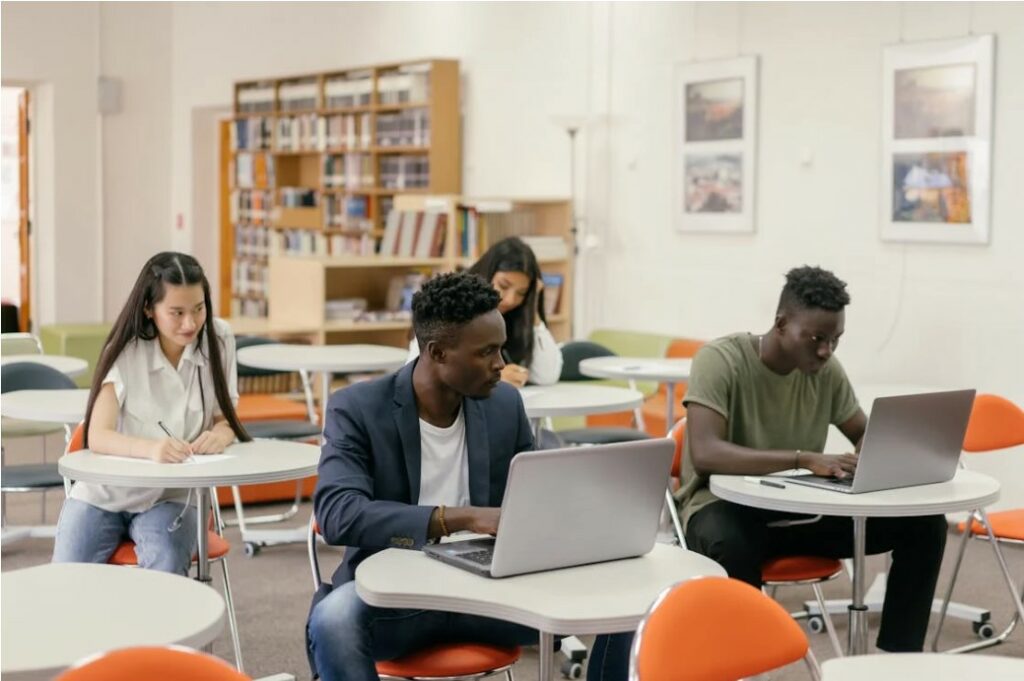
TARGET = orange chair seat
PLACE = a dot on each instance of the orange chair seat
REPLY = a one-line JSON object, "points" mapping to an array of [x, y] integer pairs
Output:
{"points": [[799, 568], [124, 554], [1005, 525], [459, 659], [262, 407]]}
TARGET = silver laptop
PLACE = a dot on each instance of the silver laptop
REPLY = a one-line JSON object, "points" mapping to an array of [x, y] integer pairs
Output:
{"points": [[566, 507], [910, 440]]}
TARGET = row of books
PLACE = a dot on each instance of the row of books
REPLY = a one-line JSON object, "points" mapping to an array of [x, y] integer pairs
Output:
{"points": [[352, 131], [552, 292], [249, 307], [298, 197], [258, 98], [309, 242], [250, 278], [299, 95], [410, 83], [417, 234], [300, 133], [251, 205], [251, 133], [347, 212], [252, 241], [344, 308], [401, 289], [347, 171], [405, 128], [346, 91], [404, 172], [253, 170]]}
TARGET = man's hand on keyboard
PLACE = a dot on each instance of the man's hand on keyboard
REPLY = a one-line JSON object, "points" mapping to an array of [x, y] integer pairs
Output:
{"points": [[829, 465]]}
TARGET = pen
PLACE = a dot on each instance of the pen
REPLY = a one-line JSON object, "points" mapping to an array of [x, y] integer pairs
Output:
{"points": [[766, 483], [178, 440]]}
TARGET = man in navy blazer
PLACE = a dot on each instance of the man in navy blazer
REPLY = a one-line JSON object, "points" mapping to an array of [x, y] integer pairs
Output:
{"points": [[414, 456]]}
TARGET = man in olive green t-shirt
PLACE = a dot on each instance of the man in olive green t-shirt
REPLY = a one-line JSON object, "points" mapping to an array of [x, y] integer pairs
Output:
{"points": [[758, 404]]}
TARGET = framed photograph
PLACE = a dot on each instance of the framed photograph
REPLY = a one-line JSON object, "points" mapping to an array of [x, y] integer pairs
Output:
{"points": [[937, 140], [715, 145]]}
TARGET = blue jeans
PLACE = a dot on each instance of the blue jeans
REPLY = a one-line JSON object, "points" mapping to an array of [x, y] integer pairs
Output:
{"points": [[347, 637], [87, 534]]}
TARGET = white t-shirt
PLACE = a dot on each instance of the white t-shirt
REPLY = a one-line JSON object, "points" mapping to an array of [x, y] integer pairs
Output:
{"points": [[444, 464], [148, 390]]}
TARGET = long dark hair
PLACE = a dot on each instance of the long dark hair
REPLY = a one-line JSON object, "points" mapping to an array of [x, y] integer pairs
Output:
{"points": [[176, 269], [513, 255]]}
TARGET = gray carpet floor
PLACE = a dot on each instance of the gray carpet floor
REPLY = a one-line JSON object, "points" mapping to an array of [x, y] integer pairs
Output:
{"points": [[272, 592]]}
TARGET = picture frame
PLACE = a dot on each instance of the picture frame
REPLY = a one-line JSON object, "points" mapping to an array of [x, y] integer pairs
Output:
{"points": [[715, 146], [936, 177]]}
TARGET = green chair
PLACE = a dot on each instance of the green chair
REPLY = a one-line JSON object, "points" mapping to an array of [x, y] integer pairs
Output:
{"points": [[76, 340]]}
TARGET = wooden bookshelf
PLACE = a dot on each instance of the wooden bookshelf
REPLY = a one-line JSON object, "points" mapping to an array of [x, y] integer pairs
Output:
{"points": [[311, 163]]}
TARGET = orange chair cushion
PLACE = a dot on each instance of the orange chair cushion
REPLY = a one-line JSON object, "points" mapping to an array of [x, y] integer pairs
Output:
{"points": [[267, 491], [154, 664], [1005, 525], [124, 554], [459, 659], [799, 568], [262, 407], [995, 423]]}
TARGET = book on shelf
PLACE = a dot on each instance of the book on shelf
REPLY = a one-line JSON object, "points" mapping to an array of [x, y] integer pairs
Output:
{"points": [[344, 308], [253, 170], [414, 234], [250, 205], [298, 95], [408, 83], [348, 212], [405, 172], [350, 131], [251, 134], [347, 171], [305, 132], [348, 90], [552, 292], [256, 98], [410, 127]]}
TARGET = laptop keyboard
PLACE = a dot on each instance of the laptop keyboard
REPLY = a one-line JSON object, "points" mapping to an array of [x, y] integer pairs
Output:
{"points": [[481, 557]]}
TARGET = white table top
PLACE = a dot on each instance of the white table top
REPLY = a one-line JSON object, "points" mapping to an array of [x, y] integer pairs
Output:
{"points": [[69, 366], [50, 406], [335, 358], [931, 666], [244, 463], [577, 399], [967, 490], [637, 368], [56, 614], [590, 599]]}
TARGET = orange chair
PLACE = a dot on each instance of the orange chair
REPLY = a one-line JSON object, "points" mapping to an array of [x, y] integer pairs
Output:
{"points": [[218, 549], [811, 571], [153, 663], [995, 423], [715, 629], [446, 661]]}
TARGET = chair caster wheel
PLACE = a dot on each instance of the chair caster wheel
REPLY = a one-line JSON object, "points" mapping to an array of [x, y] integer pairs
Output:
{"points": [[252, 549], [816, 624], [983, 630], [571, 670]]}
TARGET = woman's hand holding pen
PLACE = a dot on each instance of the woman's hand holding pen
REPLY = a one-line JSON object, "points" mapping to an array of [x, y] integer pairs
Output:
{"points": [[169, 450], [212, 441]]}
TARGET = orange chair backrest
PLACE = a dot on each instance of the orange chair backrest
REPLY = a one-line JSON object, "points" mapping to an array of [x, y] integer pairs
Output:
{"points": [[995, 423], [680, 348], [678, 434], [77, 440], [715, 629], [153, 664]]}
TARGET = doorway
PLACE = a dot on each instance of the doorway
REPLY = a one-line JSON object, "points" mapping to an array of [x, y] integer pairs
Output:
{"points": [[14, 214]]}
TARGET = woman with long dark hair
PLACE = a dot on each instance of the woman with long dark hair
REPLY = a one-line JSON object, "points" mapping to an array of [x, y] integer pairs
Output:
{"points": [[531, 353], [164, 389]]}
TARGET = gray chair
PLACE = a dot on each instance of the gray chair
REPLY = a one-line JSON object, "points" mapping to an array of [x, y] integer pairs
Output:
{"points": [[573, 353], [29, 477]]}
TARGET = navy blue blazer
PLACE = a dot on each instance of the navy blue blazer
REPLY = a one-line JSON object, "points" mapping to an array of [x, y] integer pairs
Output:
{"points": [[369, 473]]}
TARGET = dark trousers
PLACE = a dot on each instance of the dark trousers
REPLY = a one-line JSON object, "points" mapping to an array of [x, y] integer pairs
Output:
{"points": [[738, 538]]}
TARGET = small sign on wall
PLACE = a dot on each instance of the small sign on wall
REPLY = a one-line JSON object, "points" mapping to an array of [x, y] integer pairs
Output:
{"points": [[714, 149]]}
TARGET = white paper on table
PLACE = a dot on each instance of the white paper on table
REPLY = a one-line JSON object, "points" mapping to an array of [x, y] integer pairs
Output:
{"points": [[195, 460]]}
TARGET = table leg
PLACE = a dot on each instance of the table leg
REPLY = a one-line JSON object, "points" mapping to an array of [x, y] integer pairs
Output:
{"points": [[858, 641], [535, 425], [325, 378], [670, 399], [547, 656], [202, 544]]}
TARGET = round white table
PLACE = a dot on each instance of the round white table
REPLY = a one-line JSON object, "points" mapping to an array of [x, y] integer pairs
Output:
{"points": [[931, 666], [69, 366], [667, 371], [51, 406], [967, 490], [326, 359], [56, 614], [603, 598], [575, 399], [244, 463]]}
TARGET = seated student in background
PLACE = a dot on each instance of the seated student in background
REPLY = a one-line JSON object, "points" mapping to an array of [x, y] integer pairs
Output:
{"points": [[413, 457], [531, 353], [757, 404], [167, 360]]}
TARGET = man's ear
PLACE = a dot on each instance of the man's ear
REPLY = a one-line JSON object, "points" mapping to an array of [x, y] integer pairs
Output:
{"points": [[436, 352], [780, 321]]}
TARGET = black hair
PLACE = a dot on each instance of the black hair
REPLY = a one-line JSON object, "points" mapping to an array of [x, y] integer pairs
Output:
{"points": [[448, 302], [176, 269], [812, 287], [513, 255]]}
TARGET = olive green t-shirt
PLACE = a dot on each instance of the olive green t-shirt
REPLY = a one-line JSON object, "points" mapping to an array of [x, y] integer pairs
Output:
{"points": [[762, 409]]}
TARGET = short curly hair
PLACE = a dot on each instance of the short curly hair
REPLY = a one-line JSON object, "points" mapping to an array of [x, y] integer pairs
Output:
{"points": [[448, 302], [812, 287]]}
